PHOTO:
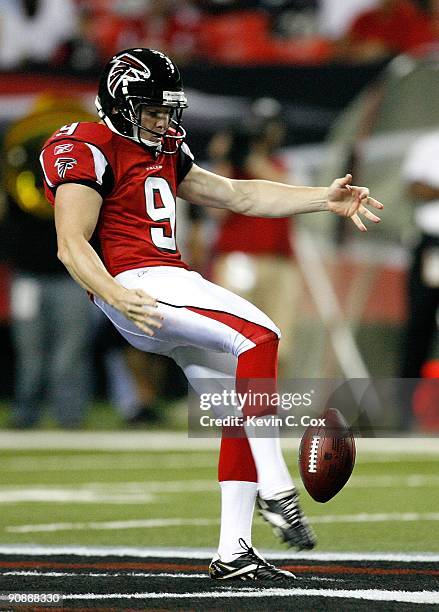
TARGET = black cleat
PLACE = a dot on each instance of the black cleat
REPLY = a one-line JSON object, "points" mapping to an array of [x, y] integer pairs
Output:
{"points": [[248, 565], [284, 514]]}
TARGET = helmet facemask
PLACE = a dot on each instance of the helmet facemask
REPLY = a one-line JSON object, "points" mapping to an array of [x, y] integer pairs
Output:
{"points": [[169, 140]]}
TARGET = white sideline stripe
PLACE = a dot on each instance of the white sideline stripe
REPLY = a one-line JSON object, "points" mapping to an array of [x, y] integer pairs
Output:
{"points": [[133, 575], [362, 517], [103, 574], [416, 597], [207, 553], [179, 441]]}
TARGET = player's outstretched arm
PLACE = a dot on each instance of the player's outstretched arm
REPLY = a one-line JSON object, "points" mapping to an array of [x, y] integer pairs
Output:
{"points": [[76, 214], [268, 199]]}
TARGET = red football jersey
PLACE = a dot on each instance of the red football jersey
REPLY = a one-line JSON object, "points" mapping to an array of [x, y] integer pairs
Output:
{"points": [[136, 226]]}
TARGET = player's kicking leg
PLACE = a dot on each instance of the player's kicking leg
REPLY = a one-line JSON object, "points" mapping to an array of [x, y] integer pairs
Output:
{"points": [[198, 313], [277, 499], [236, 558]]}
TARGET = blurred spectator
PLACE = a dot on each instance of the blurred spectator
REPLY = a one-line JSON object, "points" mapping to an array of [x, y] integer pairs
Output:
{"points": [[432, 10], [169, 25], [173, 26], [335, 17], [393, 27], [49, 311], [293, 18], [284, 32], [254, 256], [421, 173], [32, 30]]}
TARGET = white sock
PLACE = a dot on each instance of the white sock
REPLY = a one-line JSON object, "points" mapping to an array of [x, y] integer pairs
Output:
{"points": [[273, 474], [237, 504]]}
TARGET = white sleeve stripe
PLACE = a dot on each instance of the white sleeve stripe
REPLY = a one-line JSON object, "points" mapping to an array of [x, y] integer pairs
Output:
{"points": [[44, 170], [99, 161], [186, 150]]}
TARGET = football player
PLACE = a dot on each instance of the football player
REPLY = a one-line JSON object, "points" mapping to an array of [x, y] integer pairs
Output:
{"points": [[121, 177]]}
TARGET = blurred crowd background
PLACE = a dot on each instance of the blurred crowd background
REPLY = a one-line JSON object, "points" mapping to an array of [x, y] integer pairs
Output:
{"points": [[297, 91], [81, 34]]}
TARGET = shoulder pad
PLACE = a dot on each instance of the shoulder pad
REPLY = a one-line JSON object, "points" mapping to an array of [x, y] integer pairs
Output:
{"points": [[85, 131]]}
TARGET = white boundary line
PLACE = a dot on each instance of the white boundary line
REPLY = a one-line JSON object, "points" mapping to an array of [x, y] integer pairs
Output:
{"points": [[179, 441], [415, 597], [207, 553], [37, 573]]}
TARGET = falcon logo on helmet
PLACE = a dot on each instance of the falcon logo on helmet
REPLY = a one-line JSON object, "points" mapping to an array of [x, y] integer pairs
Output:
{"points": [[126, 67], [63, 164]]}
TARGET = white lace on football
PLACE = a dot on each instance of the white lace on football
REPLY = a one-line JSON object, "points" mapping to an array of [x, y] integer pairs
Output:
{"points": [[312, 465]]}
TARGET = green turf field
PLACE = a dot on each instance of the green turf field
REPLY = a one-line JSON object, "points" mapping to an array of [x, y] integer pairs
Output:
{"points": [[138, 498]]}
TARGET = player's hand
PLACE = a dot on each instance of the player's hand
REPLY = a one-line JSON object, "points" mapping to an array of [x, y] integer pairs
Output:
{"points": [[347, 200], [140, 308]]}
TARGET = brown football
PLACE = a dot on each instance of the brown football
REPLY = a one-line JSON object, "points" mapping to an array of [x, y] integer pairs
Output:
{"points": [[327, 456]]}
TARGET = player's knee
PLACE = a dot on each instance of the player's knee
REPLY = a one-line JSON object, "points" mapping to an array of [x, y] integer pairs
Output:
{"points": [[269, 337]]}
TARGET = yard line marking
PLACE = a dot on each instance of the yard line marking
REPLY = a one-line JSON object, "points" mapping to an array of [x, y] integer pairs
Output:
{"points": [[362, 517], [14, 495], [73, 463], [178, 486], [146, 441], [139, 492], [380, 517], [384, 480], [370, 458], [165, 486], [133, 524], [416, 597], [124, 460], [207, 553], [109, 493], [179, 441], [130, 487]]}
